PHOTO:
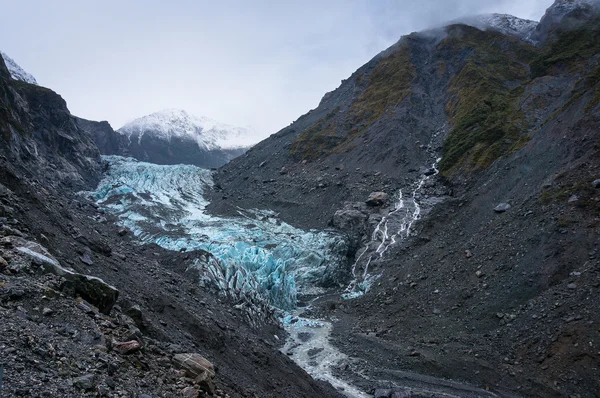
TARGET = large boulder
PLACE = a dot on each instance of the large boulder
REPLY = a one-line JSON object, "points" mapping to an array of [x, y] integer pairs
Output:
{"points": [[135, 313], [502, 207], [85, 382], [36, 252], [377, 199], [92, 289], [194, 365], [353, 220]]}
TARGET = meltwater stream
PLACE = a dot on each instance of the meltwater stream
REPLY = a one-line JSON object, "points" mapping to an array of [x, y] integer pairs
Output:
{"points": [[255, 253]]}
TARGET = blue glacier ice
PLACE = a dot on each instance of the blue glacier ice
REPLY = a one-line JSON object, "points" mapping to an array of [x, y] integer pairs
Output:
{"points": [[254, 253]]}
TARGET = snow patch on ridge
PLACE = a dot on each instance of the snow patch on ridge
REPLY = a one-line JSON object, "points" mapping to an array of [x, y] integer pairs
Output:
{"points": [[16, 72], [207, 133], [504, 23]]}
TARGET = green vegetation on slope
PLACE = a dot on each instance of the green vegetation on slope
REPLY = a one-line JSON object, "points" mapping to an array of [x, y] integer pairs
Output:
{"points": [[319, 139], [483, 105], [594, 81], [385, 87], [493, 71], [571, 49]]}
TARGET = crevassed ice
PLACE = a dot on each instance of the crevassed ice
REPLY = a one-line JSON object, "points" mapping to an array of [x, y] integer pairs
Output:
{"points": [[165, 205]]}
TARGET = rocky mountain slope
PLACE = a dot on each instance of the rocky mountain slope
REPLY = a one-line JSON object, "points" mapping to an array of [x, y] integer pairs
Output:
{"points": [[459, 168], [173, 136], [146, 328], [108, 141], [504, 300], [16, 71]]}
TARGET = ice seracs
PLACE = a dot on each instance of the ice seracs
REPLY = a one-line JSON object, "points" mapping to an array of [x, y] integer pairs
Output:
{"points": [[256, 253], [207, 133], [16, 72]]}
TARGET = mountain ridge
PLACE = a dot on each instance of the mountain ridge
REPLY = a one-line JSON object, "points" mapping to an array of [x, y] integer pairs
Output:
{"points": [[504, 23], [16, 71], [172, 136], [515, 125], [209, 134]]}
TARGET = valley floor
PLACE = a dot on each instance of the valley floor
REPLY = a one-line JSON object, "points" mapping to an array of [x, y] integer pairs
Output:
{"points": [[53, 343]]}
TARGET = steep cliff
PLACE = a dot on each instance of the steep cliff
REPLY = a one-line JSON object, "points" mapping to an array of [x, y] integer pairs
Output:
{"points": [[39, 136]]}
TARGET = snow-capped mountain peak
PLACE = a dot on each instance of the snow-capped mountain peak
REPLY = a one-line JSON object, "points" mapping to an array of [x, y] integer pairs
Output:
{"points": [[208, 134], [16, 71], [504, 23]]}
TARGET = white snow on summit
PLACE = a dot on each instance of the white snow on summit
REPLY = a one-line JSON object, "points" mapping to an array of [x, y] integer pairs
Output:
{"points": [[208, 133], [504, 23], [16, 71]]}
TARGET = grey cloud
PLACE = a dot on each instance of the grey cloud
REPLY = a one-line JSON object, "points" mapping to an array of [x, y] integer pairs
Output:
{"points": [[259, 63]]}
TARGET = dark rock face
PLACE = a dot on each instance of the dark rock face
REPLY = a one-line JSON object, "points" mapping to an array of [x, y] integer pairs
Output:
{"points": [[564, 14], [38, 132], [108, 141], [353, 220], [153, 149]]}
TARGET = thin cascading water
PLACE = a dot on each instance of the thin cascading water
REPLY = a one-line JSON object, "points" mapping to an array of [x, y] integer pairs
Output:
{"points": [[309, 343], [393, 228]]}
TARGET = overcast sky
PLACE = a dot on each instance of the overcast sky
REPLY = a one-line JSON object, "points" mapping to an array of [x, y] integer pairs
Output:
{"points": [[246, 62]]}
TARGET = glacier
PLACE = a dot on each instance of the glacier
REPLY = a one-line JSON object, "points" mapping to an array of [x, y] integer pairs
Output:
{"points": [[254, 254]]}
